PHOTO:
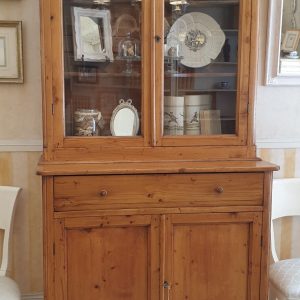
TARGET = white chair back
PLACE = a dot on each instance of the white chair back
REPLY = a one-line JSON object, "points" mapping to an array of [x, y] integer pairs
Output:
{"points": [[8, 196], [285, 203]]}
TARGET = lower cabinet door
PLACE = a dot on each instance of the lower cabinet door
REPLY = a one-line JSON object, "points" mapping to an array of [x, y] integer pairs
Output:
{"points": [[212, 256], [107, 258]]}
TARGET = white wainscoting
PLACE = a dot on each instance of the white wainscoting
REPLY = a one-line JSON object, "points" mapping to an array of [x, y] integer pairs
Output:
{"points": [[278, 143], [32, 297], [21, 145]]}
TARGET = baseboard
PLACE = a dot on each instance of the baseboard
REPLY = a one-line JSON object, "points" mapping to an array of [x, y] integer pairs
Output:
{"points": [[32, 297]]}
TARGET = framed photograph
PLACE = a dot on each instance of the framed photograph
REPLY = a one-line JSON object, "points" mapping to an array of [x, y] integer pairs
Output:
{"points": [[92, 35], [11, 62], [290, 40]]}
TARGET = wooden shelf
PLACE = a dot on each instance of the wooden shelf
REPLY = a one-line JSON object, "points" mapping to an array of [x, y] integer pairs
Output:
{"points": [[203, 91], [229, 63], [230, 32], [105, 87], [214, 2], [227, 119], [198, 74], [118, 75]]}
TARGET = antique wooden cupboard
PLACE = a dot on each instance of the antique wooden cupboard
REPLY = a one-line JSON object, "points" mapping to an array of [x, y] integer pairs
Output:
{"points": [[151, 184]]}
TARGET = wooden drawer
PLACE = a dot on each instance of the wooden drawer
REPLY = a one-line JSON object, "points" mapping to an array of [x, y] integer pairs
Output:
{"points": [[167, 190]]}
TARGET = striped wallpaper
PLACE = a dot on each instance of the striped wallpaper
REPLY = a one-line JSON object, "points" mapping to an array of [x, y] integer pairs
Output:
{"points": [[286, 229], [18, 169]]}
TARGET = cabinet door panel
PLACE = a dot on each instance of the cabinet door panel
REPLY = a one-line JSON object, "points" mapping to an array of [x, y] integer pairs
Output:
{"points": [[100, 56], [204, 90], [107, 258], [213, 256]]}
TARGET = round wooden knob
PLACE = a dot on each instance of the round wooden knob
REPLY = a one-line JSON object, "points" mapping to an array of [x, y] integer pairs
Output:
{"points": [[103, 193], [219, 189]]}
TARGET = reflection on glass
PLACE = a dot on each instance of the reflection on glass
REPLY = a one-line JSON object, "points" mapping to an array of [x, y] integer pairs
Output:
{"points": [[290, 48], [200, 58], [96, 74]]}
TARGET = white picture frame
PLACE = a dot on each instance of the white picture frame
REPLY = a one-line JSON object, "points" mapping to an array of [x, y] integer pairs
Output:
{"points": [[92, 35], [273, 74], [11, 61], [125, 119]]}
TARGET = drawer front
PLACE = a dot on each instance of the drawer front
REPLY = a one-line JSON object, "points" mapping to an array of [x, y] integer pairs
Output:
{"points": [[167, 190]]}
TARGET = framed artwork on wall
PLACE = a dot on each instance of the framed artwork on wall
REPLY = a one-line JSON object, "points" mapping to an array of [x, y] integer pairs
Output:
{"points": [[11, 61], [291, 40], [92, 35], [282, 55]]}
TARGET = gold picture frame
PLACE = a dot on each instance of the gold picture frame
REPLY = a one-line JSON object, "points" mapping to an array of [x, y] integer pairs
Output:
{"points": [[11, 59], [291, 40]]}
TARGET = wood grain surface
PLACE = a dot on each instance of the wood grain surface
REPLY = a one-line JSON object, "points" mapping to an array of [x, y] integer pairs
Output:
{"points": [[125, 191]]}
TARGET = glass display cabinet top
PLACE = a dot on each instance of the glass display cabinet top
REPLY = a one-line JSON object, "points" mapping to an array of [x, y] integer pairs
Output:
{"points": [[103, 67]]}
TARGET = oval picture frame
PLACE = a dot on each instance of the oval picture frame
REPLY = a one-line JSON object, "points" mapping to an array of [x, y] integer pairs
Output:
{"points": [[125, 106]]}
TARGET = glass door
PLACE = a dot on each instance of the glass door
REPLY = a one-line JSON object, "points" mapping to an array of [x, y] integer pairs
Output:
{"points": [[103, 75], [205, 72]]}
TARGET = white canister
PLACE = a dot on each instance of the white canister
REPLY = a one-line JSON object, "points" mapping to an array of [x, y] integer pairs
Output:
{"points": [[192, 106], [173, 115], [87, 122]]}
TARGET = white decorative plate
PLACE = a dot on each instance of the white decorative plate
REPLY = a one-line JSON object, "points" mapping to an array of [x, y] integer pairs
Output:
{"points": [[198, 37]]}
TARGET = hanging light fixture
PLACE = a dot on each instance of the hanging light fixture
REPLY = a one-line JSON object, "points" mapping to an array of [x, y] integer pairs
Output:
{"points": [[178, 2], [178, 5]]}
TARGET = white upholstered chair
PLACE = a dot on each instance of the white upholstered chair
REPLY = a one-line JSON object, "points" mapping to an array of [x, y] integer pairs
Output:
{"points": [[285, 274], [8, 288]]}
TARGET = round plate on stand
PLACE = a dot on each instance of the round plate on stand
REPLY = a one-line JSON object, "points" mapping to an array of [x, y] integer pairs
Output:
{"points": [[199, 37]]}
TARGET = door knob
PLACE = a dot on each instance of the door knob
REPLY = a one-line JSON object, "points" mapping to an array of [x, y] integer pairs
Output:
{"points": [[219, 189], [103, 193]]}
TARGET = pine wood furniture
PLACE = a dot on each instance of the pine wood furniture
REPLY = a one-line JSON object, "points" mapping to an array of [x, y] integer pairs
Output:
{"points": [[152, 216]]}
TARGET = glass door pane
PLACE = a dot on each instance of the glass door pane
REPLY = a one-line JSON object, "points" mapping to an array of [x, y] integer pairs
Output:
{"points": [[102, 67], [200, 67]]}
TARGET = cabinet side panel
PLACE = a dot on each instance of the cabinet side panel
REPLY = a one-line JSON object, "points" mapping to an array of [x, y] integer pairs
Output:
{"points": [[48, 236], [265, 260]]}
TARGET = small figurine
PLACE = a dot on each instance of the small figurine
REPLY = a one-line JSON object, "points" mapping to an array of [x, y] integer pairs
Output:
{"points": [[172, 52], [131, 50]]}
